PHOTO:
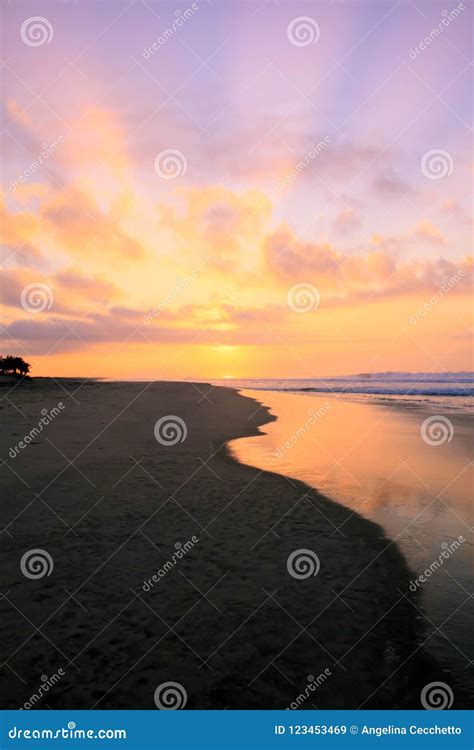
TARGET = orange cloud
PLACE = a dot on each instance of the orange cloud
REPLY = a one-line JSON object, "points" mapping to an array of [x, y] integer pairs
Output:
{"points": [[427, 230], [222, 228], [17, 114], [348, 277], [17, 228], [82, 230], [69, 291]]}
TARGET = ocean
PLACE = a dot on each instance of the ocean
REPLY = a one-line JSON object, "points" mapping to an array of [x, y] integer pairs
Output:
{"points": [[450, 390]]}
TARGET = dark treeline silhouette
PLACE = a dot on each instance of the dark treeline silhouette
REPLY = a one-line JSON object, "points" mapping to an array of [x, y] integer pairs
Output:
{"points": [[13, 366]]}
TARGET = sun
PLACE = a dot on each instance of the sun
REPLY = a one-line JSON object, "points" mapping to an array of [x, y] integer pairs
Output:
{"points": [[225, 348]]}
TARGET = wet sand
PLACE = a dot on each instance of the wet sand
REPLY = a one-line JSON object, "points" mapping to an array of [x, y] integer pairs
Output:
{"points": [[369, 454], [112, 506]]}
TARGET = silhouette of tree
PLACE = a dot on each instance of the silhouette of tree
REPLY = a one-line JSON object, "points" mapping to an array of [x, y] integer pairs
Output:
{"points": [[14, 366]]}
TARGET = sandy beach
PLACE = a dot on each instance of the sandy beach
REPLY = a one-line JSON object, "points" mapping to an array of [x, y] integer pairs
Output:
{"points": [[226, 619]]}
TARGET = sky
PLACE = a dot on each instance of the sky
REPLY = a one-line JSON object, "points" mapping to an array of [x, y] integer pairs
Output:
{"points": [[236, 189]]}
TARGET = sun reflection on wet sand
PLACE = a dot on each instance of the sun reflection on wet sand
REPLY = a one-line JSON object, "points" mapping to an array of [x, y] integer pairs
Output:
{"points": [[372, 457], [369, 456]]}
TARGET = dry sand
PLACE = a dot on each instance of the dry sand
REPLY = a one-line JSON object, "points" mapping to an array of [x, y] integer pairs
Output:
{"points": [[227, 621]]}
